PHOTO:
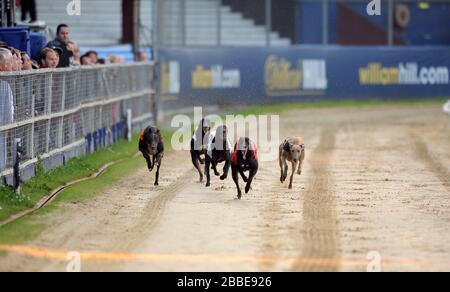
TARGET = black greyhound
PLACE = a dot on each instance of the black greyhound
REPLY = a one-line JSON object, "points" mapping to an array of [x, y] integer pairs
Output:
{"points": [[198, 145], [245, 158], [151, 145], [218, 151]]}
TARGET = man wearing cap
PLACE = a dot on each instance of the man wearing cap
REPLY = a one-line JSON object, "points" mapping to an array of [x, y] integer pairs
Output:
{"points": [[60, 44]]}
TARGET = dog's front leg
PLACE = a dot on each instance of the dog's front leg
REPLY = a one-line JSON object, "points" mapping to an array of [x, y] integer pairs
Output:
{"points": [[302, 159], [158, 165], [244, 177], [214, 166], [149, 162], [153, 161], [252, 175], [195, 160], [226, 170], [284, 169], [207, 168], [234, 173], [294, 167]]}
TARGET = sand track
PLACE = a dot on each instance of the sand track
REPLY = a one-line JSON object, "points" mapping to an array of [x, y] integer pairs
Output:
{"points": [[374, 180]]}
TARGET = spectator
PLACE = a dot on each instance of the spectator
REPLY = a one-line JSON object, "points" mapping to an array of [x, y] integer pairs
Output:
{"points": [[142, 57], [116, 60], [26, 62], [61, 42], [48, 58], [6, 103], [17, 59], [93, 55], [86, 61], [76, 59], [28, 7]]}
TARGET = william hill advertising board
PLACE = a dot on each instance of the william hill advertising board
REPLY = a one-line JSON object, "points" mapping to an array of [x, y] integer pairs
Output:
{"points": [[261, 75]]}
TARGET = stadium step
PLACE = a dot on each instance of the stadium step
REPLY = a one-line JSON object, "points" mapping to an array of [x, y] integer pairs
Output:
{"points": [[100, 23]]}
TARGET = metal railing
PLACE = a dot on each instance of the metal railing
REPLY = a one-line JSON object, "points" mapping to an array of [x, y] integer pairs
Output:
{"points": [[52, 111]]}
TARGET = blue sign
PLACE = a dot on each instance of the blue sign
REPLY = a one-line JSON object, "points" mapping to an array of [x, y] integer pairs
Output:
{"points": [[233, 76]]}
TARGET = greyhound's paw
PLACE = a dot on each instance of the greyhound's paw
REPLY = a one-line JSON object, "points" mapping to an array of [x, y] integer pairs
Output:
{"points": [[208, 184], [217, 173], [247, 189], [156, 184], [299, 173], [223, 177], [239, 196], [201, 179], [290, 187]]}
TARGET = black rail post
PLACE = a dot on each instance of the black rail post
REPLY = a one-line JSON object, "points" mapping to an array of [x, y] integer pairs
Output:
{"points": [[17, 155]]}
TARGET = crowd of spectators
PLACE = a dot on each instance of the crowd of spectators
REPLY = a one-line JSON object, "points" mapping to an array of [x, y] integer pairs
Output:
{"points": [[62, 52]]}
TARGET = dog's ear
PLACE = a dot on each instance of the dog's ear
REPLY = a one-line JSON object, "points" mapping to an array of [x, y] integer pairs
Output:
{"points": [[287, 146]]}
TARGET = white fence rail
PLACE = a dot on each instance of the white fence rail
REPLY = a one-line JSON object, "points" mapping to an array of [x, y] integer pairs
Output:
{"points": [[55, 111]]}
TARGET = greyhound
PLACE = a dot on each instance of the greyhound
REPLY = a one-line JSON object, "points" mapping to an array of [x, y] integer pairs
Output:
{"points": [[245, 158], [198, 145], [218, 151], [151, 145], [292, 150]]}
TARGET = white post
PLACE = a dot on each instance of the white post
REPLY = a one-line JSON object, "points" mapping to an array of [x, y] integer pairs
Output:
{"points": [[130, 125]]}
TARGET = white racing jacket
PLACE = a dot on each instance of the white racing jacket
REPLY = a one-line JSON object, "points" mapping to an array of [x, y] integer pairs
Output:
{"points": [[212, 146]]}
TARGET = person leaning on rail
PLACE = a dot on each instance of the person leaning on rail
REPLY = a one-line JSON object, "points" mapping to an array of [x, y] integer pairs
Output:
{"points": [[6, 103]]}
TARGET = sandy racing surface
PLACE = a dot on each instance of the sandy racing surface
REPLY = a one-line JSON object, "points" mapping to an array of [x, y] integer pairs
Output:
{"points": [[374, 180]]}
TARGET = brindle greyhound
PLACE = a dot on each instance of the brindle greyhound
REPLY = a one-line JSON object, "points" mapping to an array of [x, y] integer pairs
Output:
{"points": [[151, 145]]}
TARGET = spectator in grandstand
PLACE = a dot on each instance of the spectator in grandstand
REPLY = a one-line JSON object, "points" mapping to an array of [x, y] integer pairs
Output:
{"points": [[76, 58], [6, 103], [142, 57], [48, 58], [86, 60], [17, 59], [26, 62], [93, 55], [116, 60], [28, 7], [61, 42]]}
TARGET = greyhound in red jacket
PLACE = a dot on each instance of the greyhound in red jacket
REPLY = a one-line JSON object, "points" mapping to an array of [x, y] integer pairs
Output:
{"points": [[245, 158]]}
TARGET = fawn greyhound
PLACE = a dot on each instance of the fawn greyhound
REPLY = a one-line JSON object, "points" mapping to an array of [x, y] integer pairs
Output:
{"points": [[291, 150]]}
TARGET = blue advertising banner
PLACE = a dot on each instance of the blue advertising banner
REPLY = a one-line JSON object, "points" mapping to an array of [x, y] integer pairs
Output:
{"points": [[233, 76]]}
